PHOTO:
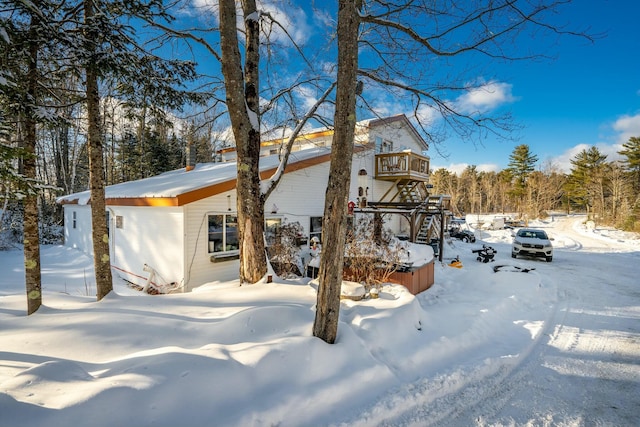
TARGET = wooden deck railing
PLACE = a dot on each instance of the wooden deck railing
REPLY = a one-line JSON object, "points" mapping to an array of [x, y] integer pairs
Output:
{"points": [[405, 164]]}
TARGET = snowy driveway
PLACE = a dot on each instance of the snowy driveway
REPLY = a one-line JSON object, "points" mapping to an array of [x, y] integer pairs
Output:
{"points": [[584, 369]]}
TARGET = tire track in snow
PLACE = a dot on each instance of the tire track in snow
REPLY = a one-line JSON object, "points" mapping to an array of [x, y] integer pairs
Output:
{"points": [[583, 369]]}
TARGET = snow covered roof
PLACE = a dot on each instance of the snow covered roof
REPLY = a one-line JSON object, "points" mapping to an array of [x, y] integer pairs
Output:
{"points": [[179, 187]]}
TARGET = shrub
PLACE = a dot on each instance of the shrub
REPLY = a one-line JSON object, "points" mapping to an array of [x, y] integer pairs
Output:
{"points": [[372, 254], [284, 252]]}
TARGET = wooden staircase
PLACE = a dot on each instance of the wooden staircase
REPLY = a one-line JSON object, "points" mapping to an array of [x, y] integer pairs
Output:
{"points": [[409, 196], [429, 218]]}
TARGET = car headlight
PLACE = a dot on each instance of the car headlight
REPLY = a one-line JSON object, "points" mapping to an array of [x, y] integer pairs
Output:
{"points": [[516, 242]]}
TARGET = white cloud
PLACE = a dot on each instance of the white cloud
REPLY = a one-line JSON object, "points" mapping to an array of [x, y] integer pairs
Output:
{"points": [[563, 161], [627, 126], [384, 108], [427, 114], [293, 19], [210, 6], [324, 19], [485, 97]]}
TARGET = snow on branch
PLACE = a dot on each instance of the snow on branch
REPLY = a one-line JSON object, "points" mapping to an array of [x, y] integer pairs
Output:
{"points": [[254, 16]]}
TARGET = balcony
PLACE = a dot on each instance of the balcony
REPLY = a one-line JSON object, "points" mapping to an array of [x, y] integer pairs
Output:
{"points": [[405, 165]]}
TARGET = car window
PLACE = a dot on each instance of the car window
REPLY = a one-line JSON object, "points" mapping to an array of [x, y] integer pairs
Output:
{"points": [[533, 234]]}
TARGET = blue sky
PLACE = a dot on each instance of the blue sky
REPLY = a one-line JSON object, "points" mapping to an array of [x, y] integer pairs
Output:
{"points": [[586, 94]]}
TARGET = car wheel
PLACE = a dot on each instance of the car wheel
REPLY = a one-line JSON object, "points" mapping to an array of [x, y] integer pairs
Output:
{"points": [[465, 239], [549, 258], [513, 255]]}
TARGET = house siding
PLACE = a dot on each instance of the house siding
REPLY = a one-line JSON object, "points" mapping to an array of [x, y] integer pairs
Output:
{"points": [[402, 136], [198, 266], [151, 236], [78, 236]]}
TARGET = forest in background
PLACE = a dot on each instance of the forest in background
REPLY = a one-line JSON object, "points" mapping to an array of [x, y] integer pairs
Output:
{"points": [[607, 191]]}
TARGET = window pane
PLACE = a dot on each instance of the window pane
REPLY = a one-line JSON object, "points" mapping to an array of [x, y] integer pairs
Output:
{"points": [[231, 241], [272, 229], [216, 243], [316, 227]]}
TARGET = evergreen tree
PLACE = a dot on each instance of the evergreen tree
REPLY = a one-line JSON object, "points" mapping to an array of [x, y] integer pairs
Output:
{"points": [[521, 165], [126, 157], [631, 150], [584, 181], [162, 154]]}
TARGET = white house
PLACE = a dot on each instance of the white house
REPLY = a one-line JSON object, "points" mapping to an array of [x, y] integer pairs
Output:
{"points": [[181, 225]]}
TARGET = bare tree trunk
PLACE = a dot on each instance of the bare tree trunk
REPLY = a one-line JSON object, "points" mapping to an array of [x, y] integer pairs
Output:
{"points": [[334, 224], [31, 231], [101, 259], [242, 95]]}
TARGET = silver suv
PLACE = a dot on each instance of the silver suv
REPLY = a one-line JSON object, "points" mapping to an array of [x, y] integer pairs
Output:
{"points": [[532, 242]]}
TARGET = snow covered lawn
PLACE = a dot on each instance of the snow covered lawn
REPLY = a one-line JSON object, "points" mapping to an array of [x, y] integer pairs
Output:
{"points": [[559, 345]]}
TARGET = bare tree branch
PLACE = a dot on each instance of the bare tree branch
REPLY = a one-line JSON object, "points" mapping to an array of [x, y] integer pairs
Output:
{"points": [[277, 176]]}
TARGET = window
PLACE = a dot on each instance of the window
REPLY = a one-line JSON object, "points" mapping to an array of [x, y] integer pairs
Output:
{"points": [[272, 230], [315, 227], [223, 233], [383, 146], [74, 219]]}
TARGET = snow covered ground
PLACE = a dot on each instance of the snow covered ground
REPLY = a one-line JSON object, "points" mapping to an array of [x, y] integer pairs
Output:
{"points": [[559, 345]]}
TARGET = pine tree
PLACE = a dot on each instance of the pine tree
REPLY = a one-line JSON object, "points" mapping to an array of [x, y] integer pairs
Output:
{"points": [[521, 165], [584, 181], [631, 150]]}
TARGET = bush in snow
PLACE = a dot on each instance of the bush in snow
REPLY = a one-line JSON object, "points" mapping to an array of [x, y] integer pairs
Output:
{"points": [[284, 250], [372, 254]]}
